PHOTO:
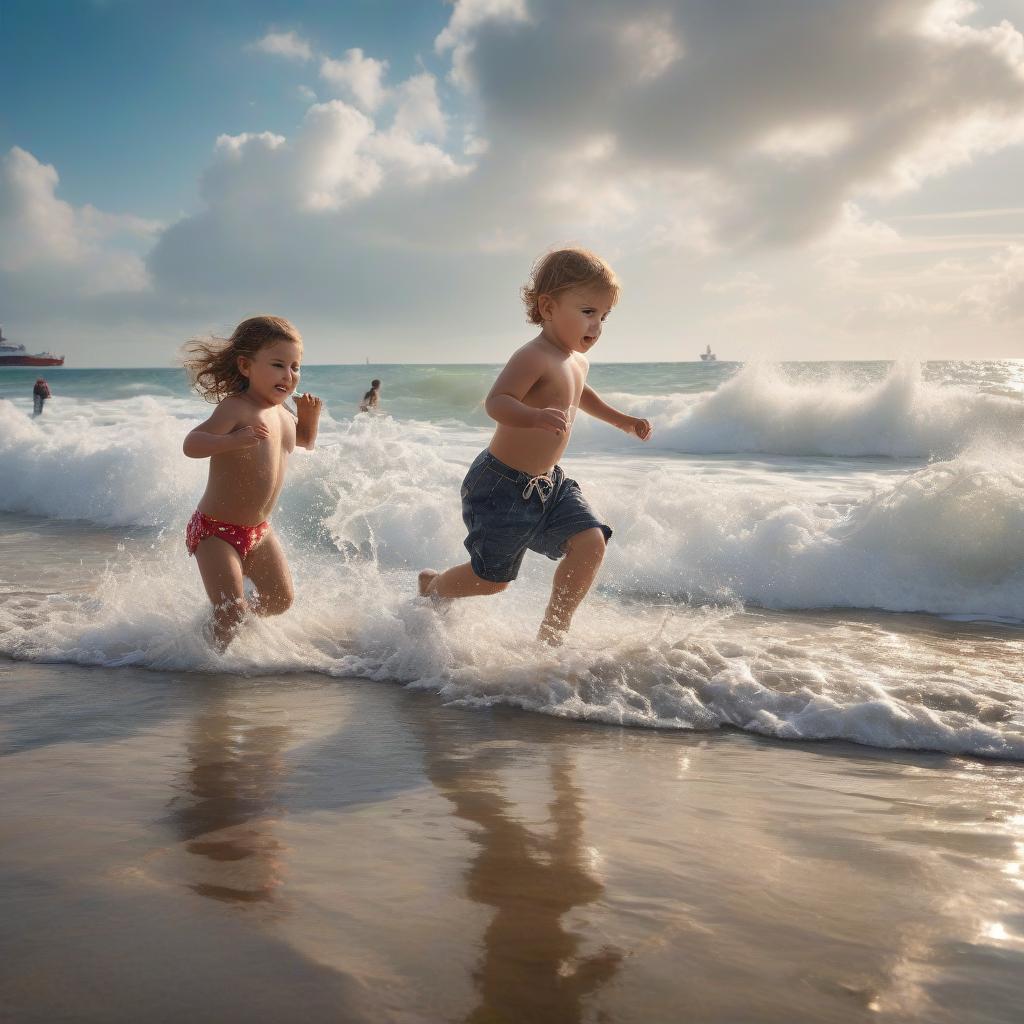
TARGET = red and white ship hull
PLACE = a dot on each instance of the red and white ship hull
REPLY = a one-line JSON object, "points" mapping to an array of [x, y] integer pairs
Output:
{"points": [[28, 360]]}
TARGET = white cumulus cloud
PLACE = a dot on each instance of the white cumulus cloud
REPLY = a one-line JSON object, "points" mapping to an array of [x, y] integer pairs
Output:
{"points": [[81, 247], [739, 162], [357, 76], [284, 44]]}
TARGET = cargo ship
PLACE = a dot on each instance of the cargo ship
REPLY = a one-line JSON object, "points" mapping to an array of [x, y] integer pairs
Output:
{"points": [[15, 355]]}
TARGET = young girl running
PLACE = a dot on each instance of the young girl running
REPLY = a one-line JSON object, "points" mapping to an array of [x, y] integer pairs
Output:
{"points": [[248, 440]]}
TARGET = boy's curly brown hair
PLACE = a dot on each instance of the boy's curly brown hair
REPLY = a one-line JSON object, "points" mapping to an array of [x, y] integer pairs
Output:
{"points": [[561, 269], [212, 363]]}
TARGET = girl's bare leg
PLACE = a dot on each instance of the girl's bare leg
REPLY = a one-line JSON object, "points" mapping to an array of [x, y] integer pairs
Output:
{"points": [[573, 578], [268, 569], [221, 569], [458, 582]]}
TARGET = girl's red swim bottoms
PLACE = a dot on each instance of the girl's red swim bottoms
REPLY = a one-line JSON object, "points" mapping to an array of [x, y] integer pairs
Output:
{"points": [[242, 538]]}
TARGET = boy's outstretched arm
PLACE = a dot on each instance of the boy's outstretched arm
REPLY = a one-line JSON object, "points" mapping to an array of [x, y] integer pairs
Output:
{"points": [[218, 434], [308, 408], [504, 402], [592, 404]]}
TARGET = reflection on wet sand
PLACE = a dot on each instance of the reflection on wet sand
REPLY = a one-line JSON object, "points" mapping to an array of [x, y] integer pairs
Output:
{"points": [[530, 970], [228, 802]]}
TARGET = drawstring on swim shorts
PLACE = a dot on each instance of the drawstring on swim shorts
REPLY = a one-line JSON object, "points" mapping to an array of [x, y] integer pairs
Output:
{"points": [[542, 484]]}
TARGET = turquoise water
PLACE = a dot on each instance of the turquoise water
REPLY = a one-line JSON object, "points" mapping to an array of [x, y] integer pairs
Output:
{"points": [[409, 379], [456, 392], [414, 391]]}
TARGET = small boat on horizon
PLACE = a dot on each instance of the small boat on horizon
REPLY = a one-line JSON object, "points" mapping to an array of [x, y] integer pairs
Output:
{"points": [[708, 356], [15, 355]]}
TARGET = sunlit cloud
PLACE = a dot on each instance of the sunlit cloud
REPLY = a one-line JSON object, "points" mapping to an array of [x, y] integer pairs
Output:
{"points": [[357, 76], [81, 248], [763, 156], [284, 44]]}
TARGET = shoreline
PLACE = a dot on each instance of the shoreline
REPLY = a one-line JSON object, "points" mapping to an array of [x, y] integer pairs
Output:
{"points": [[368, 850]]}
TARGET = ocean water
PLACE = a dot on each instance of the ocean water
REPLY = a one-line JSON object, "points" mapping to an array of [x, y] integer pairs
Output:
{"points": [[805, 551]]}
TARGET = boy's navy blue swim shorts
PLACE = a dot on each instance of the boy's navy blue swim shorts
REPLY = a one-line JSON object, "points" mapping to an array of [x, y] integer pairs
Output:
{"points": [[507, 512]]}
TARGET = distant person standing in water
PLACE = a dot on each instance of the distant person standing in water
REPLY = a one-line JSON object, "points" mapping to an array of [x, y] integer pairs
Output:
{"points": [[371, 400], [40, 393]]}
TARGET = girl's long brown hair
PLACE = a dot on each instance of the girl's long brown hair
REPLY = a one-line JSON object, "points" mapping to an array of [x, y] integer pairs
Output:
{"points": [[212, 363]]}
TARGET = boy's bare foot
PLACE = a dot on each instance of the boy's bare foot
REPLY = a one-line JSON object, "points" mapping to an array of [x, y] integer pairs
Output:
{"points": [[425, 579], [552, 635]]}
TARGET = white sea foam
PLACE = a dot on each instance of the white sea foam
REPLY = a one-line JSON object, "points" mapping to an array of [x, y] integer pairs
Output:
{"points": [[945, 538], [112, 463], [763, 410], [680, 668]]}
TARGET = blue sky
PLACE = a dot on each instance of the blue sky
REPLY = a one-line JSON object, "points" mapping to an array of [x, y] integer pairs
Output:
{"points": [[781, 178], [126, 96]]}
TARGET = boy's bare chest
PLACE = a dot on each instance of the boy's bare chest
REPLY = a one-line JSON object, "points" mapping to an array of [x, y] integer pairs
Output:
{"points": [[560, 387]]}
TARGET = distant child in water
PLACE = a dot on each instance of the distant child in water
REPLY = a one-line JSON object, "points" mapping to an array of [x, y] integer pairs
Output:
{"points": [[248, 440], [371, 400], [40, 393], [515, 497]]}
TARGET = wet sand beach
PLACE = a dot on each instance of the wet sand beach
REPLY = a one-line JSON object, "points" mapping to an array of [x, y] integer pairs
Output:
{"points": [[263, 849]]}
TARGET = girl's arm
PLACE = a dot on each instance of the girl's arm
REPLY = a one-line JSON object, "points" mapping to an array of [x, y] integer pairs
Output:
{"points": [[219, 434], [592, 404], [504, 403], [308, 408]]}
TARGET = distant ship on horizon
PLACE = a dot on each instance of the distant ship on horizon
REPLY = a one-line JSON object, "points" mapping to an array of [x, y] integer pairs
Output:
{"points": [[15, 355], [708, 356]]}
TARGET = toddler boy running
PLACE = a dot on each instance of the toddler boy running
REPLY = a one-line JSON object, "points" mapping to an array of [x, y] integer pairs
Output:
{"points": [[515, 496]]}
